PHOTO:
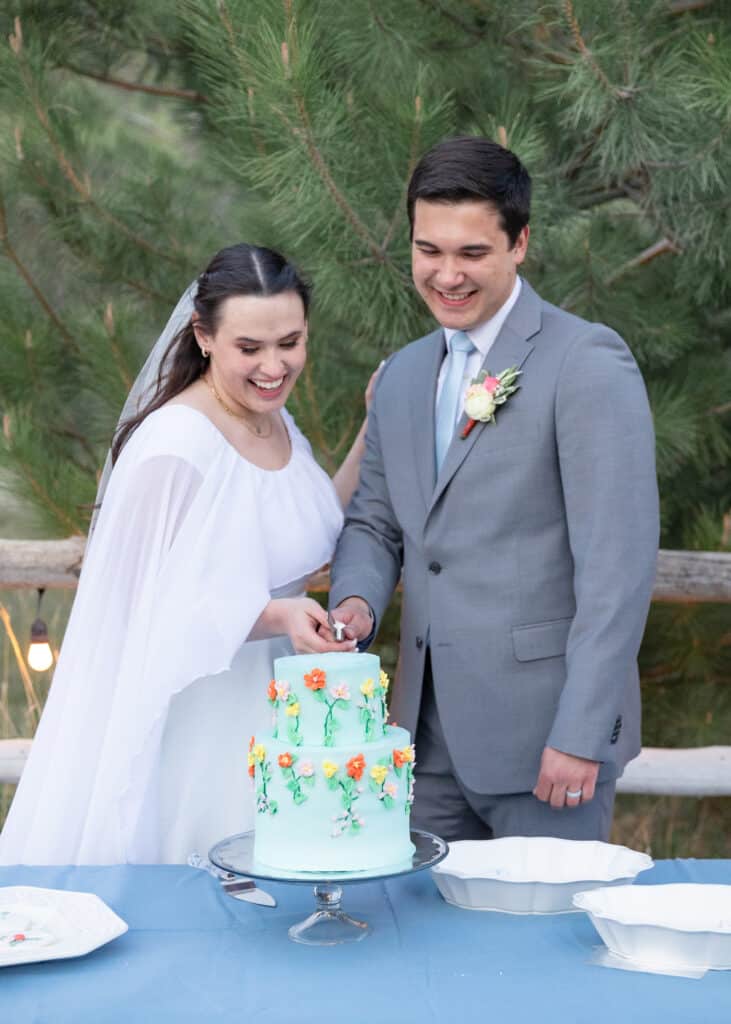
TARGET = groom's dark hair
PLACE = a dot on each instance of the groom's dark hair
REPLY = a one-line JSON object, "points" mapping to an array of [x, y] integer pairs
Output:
{"points": [[473, 167]]}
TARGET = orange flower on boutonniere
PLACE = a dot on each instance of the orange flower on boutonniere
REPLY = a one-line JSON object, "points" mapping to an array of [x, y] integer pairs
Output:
{"points": [[485, 394], [355, 767], [315, 680]]}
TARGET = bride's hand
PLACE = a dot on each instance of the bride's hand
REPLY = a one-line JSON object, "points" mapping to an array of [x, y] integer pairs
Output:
{"points": [[301, 619], [371, 386]]}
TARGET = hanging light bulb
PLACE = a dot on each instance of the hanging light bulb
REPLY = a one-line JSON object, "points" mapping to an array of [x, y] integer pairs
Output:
{"points": [[40, 655]]}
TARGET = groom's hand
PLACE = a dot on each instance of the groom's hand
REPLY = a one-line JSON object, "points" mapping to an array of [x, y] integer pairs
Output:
{"points": [[565, 780], [356, 616]]}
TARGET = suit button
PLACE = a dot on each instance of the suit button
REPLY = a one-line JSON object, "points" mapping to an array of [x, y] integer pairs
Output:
{"points": [[435, 568], [419, 642]]}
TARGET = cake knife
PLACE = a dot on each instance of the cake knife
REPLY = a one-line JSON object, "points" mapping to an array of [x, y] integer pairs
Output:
{"points": [[246, 889]]}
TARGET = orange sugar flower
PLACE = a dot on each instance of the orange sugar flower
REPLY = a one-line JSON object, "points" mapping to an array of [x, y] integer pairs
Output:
{"points": [[315, 680], [272, 690], [252, 741], [285, 760], [252, 770], [355, 766]]}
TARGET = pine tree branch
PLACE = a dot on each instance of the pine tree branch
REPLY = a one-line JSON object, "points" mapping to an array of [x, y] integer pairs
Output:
{"points": [[413, 157], [45, 499], [439, 8], [82, 188], [619, 93], [15, 259], [318, 161], [642, 259], [153, 90], [681, 6]]}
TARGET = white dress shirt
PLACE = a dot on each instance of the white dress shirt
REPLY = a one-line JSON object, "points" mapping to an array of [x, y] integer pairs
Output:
{"points": [[483, 337]]}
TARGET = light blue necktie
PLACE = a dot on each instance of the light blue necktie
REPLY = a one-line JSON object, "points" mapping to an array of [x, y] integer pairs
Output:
{"points": [[448, 405]]}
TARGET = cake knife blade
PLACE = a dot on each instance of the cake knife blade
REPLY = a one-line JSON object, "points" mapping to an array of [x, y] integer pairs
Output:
{"points": [[246, 889]]}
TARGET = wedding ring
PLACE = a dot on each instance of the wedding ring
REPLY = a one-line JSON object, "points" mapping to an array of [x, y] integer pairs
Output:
{"points": [[573, 794]]}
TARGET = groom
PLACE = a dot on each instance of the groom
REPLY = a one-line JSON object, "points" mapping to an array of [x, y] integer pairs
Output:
{"points": [[527, 547]]}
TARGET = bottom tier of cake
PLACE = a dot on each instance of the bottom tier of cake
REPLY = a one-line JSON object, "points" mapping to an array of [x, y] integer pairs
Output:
{"points": [[333, 808]]}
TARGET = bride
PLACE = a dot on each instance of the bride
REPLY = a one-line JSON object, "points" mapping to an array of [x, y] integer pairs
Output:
{"points": [[214, 515]]}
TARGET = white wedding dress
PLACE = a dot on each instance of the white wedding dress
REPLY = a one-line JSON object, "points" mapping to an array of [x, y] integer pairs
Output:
{"points": [[141, 752]]}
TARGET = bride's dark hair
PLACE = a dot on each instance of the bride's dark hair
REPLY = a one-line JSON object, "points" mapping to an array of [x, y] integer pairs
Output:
{"points": [[241, 269]]}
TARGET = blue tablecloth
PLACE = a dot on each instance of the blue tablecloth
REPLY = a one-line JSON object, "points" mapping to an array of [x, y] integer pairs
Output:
{"points": [[192, 953]]}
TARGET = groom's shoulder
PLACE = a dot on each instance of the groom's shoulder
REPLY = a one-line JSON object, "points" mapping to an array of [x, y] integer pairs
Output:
{"points": [[566, 331]]}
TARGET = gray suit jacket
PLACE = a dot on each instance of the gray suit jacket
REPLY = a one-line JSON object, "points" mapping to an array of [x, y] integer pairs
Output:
{"points": [[528, 564]]}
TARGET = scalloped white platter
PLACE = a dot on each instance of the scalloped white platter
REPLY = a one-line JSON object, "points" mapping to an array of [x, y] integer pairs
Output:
{"points": [[532, 874], [678, 926], [54, 924]]}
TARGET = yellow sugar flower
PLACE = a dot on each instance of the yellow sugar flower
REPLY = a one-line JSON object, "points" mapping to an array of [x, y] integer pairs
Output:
{"points": [[259, 752], [293, 709], [252, 760], [367, 688], [379, 773], [384, 681], [329, 768], [407, 754]]}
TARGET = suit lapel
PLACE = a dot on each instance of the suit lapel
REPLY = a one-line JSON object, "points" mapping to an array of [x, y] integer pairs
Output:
{"points": [[423, 397], [511, 348]]}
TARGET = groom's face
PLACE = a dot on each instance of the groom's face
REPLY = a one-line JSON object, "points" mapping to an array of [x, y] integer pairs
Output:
{"points": [[462, 261]]}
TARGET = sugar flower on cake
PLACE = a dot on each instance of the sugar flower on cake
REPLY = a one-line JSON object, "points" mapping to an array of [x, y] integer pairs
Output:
{"points": [[337, 697], [307, 769], [348, 820], [371, 710], [356, 766], [263, 775], [282, 689], [330, 769], [383, 681], [403, 756], [316, 679], [367, 687], [292, 711], [384, 790], [295, 779], [272, 691]]}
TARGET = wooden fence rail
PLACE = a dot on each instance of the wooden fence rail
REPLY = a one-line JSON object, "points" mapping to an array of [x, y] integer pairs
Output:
{"points": [[681, 576]]}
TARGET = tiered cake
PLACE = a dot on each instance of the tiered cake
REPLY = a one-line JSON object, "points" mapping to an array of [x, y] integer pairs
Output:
{"points": [[334, 783]]}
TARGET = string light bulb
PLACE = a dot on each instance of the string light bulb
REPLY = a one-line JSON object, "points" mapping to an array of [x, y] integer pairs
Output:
{"points": [[40, 655]]}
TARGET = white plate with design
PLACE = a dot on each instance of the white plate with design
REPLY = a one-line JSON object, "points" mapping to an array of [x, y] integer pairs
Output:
{"points": [[52, 924]]}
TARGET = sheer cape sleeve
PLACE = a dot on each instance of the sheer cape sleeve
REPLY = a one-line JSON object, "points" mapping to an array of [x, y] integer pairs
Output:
{"points": [[174, 578]]}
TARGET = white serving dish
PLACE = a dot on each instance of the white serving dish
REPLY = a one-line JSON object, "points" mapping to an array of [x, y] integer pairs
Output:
{"points": [[56, 924], [681, 925], [531, 874]]}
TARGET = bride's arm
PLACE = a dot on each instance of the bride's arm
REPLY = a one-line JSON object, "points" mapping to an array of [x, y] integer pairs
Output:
{"points": [[299, 619], [346, 478]]}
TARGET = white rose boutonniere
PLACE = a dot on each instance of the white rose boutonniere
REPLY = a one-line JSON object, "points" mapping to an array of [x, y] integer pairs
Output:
{"points": [[485, 394]]}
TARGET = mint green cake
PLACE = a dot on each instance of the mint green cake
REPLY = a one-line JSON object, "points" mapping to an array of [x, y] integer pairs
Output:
{"points": [[334, 783]]}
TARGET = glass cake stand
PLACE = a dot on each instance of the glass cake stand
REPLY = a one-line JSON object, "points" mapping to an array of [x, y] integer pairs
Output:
{"points": [[329, 925]]}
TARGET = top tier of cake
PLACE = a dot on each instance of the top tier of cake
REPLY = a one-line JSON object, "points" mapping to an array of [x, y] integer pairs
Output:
{"points": [[328, 700]]}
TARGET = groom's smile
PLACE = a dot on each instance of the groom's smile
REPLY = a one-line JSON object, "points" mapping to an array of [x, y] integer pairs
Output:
{"points": [[463, 262]]}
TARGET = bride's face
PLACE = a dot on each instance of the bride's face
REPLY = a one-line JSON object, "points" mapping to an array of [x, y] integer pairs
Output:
{"points": [[259, 349]]}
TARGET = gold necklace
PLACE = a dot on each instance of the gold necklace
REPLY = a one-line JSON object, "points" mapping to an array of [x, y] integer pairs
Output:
{"points": [[256, 430]]}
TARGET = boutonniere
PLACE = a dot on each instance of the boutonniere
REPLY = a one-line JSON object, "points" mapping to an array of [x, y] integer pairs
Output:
{"points": [[485, 394]]}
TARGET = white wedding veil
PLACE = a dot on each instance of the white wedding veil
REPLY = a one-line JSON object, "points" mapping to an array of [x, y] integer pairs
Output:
{"points": [[143, 389]]}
